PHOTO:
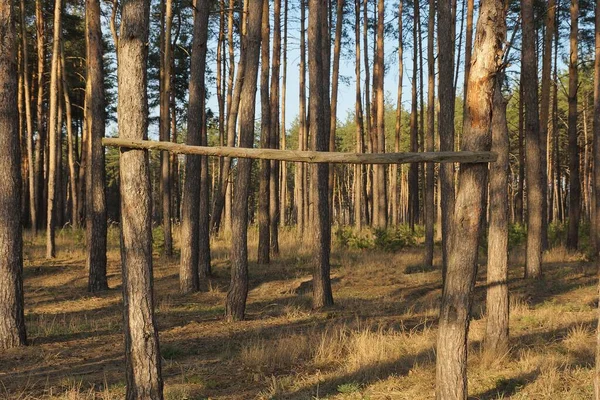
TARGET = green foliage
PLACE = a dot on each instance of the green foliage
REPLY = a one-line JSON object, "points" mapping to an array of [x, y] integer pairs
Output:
{"points": [[347, 388], [517, 235], [391, 240]]}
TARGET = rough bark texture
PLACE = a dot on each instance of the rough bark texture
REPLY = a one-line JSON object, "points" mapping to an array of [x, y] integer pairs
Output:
{"points": [[457, 294], [380, 170], [446, 119], [532, 145], [12, 318], [96, 199], [238, 290], [319, 121], [143, 363], [358, 115], [275, 205], [574, 184], [39, 144], [497, 305], [264, 231], [413, 172], [188, 267]]}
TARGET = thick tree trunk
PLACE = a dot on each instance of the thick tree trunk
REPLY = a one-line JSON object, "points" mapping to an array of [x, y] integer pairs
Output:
{"points": [[429, 184], [53, 133], [238, 290], [457, 294], [318, 42], [188, 267], [264, 231], [12, 318], [532, 145], [95, 180], [143, 362], [574, 184], [497, 309]]}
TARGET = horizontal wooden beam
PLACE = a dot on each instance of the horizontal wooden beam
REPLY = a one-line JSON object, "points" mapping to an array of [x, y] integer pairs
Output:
{"points": [[463, 157]]}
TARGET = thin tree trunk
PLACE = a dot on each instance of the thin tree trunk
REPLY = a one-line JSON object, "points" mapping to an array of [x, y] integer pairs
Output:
{"points": [[12, 320], [457, 294], [188, 267], [380, 118], [358, 114], [429, 185], [28, 121], [142, 351], [413, 173], [299, 178], [274, 204], [165, 125], [284, 172], [204, 259], [395, 167], [53, 133], [574, 188], [497, 304], [41, 136], [446, 119], [264, 235], [250, 52], [596, 189]]}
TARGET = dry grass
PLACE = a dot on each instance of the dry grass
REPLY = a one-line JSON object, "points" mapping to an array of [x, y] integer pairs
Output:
{"points": [[378, 342]]}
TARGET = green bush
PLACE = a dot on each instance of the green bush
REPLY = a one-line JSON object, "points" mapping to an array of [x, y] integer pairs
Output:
{"points": [[517, 235], [392, 239]]}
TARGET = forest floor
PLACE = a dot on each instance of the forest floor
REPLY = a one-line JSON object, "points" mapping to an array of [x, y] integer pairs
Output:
{"points": [[377, 342]]}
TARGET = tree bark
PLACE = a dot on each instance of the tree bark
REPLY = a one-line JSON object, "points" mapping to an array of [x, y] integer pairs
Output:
{"points": [[95, 180], [318, 42], [533, 150], [12, 318], [497, 304], [380, 118], [358, 115], [413, 173], [596, 189], [429, 184], [143, 361], [457, 294], [53, 132], [274, 187], [188, 267], [264, 231], [40, 142], [238, 290]]}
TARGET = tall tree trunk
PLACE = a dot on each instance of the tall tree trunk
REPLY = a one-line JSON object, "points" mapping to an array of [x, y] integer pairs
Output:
{"points": [[188, 267], [457, 294], [165, 125], [468, 49], [446, 119], [53, 133], [143, 362], [28, 120], [274, 204], [284, 172], [367, 126], [95, 180], [358, 115], [545, 112], [70, 147], [238, 290], [12, 320], [264, 235], [413, 173], [497, 309], [395, 167], [520, 199], [574, 188], [596, 188], [380, 169], [204, 268], [318, 42], [429, 185], [299, 178], [40, 143], [533, 151]]}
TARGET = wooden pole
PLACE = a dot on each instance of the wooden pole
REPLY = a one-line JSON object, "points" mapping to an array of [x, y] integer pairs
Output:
{"points": [[463, 157]]}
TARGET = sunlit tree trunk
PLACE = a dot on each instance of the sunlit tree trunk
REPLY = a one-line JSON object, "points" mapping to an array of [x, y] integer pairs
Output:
{"points": [[596, 184], [275, 205], [457, 294], [299, 177], [358, 115], [284, 169], [413, 173], [143, 363], [53, 133], [429, 184], [12, 318], [41, 136]]}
